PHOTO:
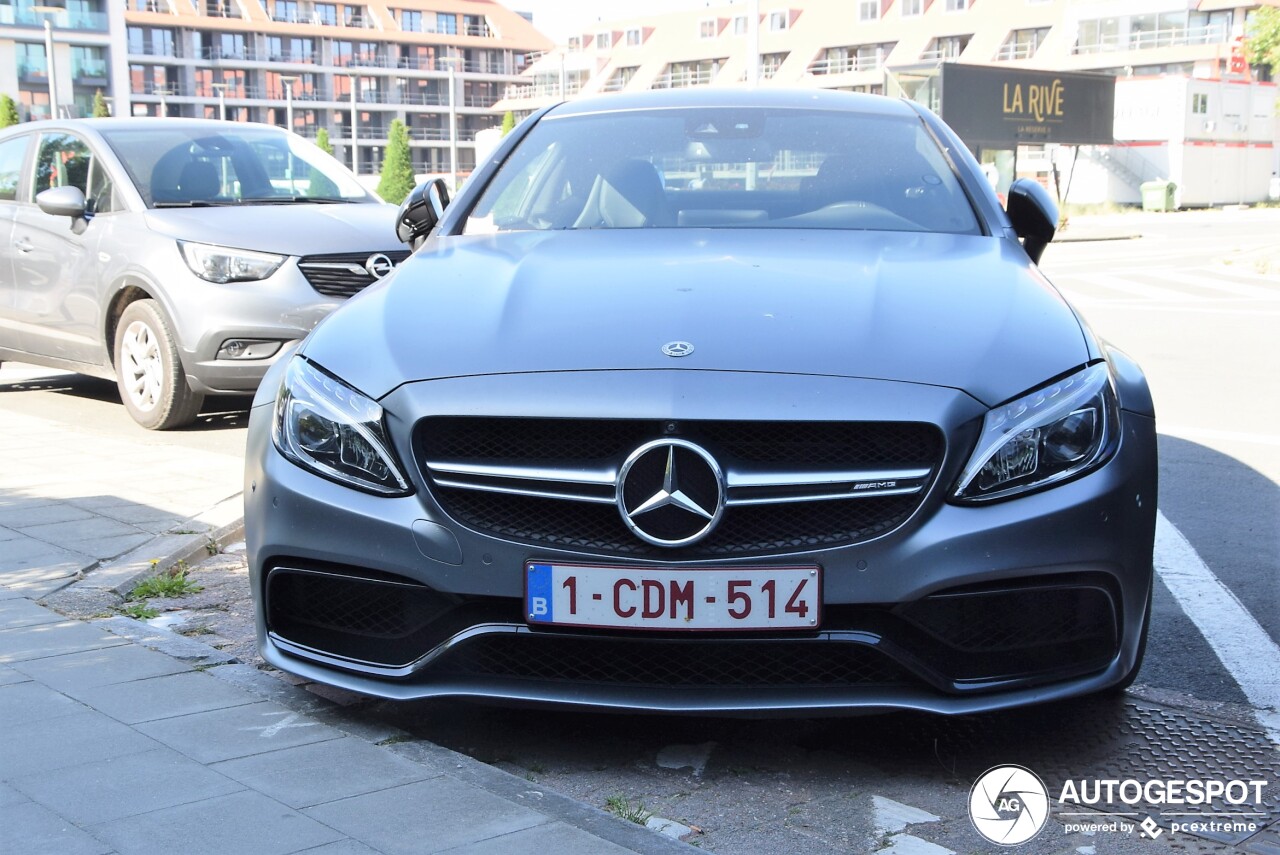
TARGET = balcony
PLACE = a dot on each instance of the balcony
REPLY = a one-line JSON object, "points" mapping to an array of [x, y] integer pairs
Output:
{"points": [[89, 70], [158, 90], [153, 50], [1213, 34], [845, 64], [1016, 51], [32, 69], [425, 99], [683, 79], [528, 91], [64, 20]]}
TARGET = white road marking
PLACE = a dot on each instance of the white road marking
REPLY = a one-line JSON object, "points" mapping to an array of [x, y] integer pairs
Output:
{"points": [[890, 816], [1240, 642], [1210, 282], [905, 844], [1139, 289]]}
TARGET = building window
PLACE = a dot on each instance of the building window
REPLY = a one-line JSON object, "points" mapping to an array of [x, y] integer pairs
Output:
{"points": [[575, 43], [633, 37], [604, 41], [1022, 44], [707, 29], [410, 21], [770, 63], [945, 47], [620, 78], [1200, 103], [868, 10], [447, 24], [838, 60], [740, 25], [957, 5], [912, 8], [778, 21], [325, 14], [679, 75]]}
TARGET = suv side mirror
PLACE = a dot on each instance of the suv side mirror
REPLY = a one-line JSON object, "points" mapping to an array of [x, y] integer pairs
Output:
{"points": [[421, 210], [64, 202], [1034, 216]]}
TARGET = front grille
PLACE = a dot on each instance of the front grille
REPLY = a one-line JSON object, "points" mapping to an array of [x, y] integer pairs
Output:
{"points": [[343, 274], [684, 663], [582, 516]]}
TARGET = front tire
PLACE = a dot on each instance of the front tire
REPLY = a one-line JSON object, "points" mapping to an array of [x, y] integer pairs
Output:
{"points": [[149, 373]]}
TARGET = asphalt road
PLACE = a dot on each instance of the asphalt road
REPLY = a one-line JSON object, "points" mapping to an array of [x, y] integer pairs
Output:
{"points": [[1202, 330]]}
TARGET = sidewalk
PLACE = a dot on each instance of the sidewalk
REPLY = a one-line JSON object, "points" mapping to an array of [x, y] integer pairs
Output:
{"points": [[121, 738]]}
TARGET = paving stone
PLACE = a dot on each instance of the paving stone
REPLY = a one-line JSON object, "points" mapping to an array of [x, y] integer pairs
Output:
{"points": [[30, 828], [22, 703], [69, 740], [9, 676], [118, 787], [21, 516], [237, 732], [20, 612], [164, 697], [76, 672], [427, 816], [241, 822], [554, 837], [104, 548], [95, 527], [304, 776], [52, 639]]}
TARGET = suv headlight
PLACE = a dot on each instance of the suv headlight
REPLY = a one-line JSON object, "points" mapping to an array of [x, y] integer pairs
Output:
{"points": [[327, 427], [1057, 432], [220, 264]]}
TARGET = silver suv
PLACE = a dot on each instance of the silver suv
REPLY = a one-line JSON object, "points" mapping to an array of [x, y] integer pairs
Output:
{"points": [[180, 257]]}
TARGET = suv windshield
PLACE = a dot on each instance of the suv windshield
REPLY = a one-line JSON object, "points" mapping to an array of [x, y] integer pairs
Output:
{"points": [[186, 166], [726, 168]]}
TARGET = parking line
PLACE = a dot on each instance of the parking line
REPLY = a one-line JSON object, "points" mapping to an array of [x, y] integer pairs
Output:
{"points": [[1240, 642]]}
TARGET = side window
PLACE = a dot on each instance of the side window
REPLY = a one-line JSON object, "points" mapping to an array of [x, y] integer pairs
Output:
{"points": [[12, 153], [101, 197], [62, 161]]}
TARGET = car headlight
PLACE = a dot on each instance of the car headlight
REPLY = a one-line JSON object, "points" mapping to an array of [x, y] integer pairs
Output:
{"points": [[1057, 432], [327, 427], [220, 264]]}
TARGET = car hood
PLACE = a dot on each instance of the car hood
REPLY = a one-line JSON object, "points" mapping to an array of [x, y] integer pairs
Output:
{"points": [[966, 312], [291, 229]]}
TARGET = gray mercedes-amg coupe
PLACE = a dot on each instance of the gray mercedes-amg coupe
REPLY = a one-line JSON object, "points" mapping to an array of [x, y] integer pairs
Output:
{"points": [[710, 401]]}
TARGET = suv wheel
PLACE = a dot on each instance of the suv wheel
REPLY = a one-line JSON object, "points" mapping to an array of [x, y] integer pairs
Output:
{"points": [[149, 372]]}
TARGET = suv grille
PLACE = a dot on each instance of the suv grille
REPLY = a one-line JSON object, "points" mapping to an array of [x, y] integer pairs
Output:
{"points": [[550, 482], [343, 274]]}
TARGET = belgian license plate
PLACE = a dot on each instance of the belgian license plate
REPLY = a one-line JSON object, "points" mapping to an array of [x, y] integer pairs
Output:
{"points": [[738, 598]]}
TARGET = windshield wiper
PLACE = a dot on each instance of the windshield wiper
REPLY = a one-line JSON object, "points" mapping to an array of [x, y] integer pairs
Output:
{"points": [[287, 200], [193, 203]]}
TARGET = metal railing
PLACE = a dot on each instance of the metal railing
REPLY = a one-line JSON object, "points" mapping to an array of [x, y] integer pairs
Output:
{"points": [[63, 20], [92, 69], [1147, 39], [843, 64], [682, 79], [425, 99], [158, 90], [153, 50], [1014, 50]]}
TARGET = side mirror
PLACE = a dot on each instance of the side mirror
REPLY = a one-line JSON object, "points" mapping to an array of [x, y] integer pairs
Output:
{"points": [[421, 210], [64, 202], [1034, 216]]}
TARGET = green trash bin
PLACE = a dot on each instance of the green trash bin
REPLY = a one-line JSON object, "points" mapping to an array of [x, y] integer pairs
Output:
{"points": [[1158, 196]]}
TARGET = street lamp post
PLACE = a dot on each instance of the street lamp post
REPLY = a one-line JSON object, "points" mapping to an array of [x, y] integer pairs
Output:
{"points": [[288, 82], [452, 61], [48, 12], [355, 125], [222, 100]]}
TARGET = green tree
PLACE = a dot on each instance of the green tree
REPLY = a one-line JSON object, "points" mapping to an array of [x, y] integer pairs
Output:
{"points": [[8, 112], [397, 168], [1262, 45], [100, 108], [508, 122], [322, 141]]}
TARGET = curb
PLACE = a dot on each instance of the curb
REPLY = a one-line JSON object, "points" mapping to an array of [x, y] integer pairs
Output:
{"points": [[222, 524]]}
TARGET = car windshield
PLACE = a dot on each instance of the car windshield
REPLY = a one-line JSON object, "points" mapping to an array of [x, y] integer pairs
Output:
{"points": [[189, 166], [726, 168]]}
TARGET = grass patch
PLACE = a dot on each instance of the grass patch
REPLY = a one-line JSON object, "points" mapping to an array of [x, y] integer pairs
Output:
{"points": [[622, 808], [395, 740], [198, 629], [173, 582], [139, 611]]}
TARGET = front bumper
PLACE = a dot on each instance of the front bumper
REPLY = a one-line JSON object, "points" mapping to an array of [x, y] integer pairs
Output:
{"points": [[1088, 540]]}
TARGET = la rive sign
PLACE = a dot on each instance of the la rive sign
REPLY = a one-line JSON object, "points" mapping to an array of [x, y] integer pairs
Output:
{"points": [[992, 107]]}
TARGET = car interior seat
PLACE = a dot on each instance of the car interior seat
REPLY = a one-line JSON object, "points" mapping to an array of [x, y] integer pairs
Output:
{"points": [[628, 195]]}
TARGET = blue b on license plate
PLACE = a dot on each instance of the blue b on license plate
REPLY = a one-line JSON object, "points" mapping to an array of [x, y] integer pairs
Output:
{"points": [[697, 598]]}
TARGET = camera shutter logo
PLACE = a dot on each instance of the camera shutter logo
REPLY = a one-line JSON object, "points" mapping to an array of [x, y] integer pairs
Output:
{"points": [[1008, 805]]}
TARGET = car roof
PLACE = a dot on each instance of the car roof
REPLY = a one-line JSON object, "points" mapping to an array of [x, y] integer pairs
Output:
{"points": [[133, 123], [708, 96]]}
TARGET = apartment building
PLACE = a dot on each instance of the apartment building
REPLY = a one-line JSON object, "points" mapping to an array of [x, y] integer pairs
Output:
{"points": [[895, 47], [334, 65]]}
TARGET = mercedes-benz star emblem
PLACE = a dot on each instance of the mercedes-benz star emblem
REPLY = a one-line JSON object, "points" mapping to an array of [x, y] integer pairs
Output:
{"points": [[378, 265], [677, 348], [670, 492]]}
